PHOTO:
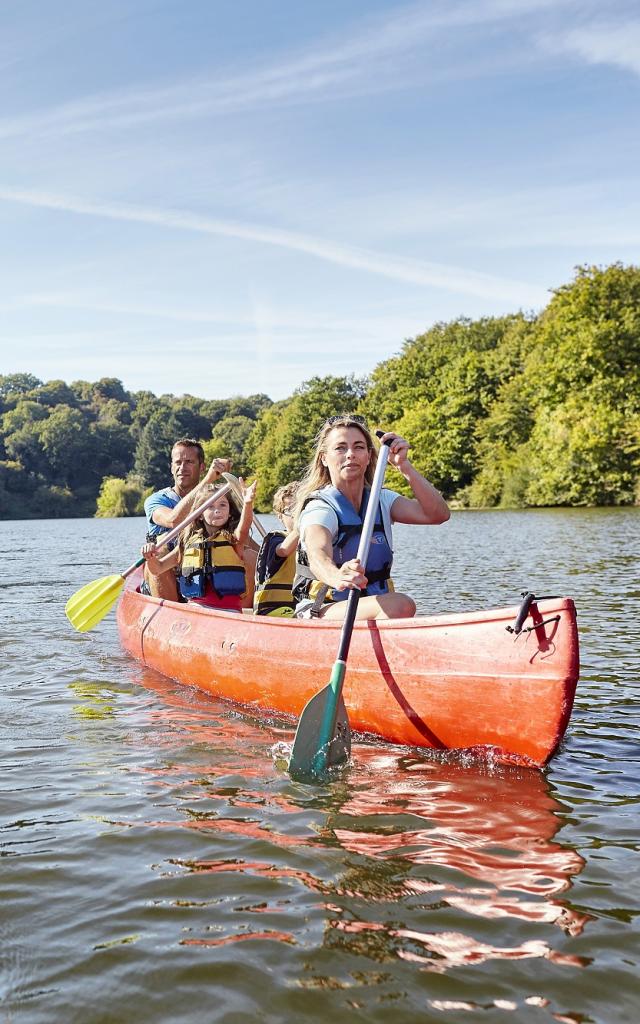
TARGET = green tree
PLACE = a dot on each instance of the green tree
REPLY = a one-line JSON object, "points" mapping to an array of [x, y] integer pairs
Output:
{"points": [[54, 392], [214, 410], [24, 412], [216, 449], [114, 412], [251, 406], [440, 388], [559, 430], [145, 406], [120, 497], [580, 453], [587, 340], [191, 413], [13, 385], [281, 444], [16, 489], [153, 452], [232, 433], [25, 447], [109, 388], [52, 501], [264, 455], [66, 445], [112, 450]]}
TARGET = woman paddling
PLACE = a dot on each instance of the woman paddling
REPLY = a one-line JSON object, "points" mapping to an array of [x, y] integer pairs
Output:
{"points": [[331, 505]]}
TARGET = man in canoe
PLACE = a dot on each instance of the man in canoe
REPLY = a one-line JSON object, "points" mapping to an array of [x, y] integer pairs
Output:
{"points": [[330, 510], [167, 507]]}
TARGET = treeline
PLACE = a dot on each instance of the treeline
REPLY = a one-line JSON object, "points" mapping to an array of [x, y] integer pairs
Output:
{"points": [[514, 411], [83, 449]]}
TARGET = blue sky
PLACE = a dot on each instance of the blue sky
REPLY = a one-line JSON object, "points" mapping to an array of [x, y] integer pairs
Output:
{"points": [[222, 197]]}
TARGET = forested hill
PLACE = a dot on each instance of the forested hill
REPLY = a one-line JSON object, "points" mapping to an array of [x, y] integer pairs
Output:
{"points": [[513, 411]]}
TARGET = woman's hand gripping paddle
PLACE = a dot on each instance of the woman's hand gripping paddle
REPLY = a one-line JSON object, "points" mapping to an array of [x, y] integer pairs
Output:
{"points": [[323, 736], [89, 605]]}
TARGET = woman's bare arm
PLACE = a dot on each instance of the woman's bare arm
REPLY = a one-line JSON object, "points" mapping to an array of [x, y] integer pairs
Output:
{"points": [[427, 507], [319, 548]]}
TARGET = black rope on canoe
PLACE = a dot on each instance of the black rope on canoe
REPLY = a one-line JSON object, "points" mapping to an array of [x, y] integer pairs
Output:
{"points": [[539, 625], [529, 598]]}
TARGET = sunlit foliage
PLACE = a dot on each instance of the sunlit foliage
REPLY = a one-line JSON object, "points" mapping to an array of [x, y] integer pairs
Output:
{"points": [[512, 411]]}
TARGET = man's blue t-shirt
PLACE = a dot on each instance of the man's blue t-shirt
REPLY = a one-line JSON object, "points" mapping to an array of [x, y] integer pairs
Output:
{"points": [[166, 498]]}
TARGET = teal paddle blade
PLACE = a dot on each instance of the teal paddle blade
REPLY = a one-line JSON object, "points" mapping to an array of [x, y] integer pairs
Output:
{"points": [[312, 755]]}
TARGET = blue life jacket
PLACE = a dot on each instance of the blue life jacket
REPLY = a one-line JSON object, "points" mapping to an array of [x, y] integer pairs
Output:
{"points": [[345, 547], [211, 558]]}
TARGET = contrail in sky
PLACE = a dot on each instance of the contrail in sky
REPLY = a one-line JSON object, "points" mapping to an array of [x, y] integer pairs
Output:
{"points": [[411, 271]]}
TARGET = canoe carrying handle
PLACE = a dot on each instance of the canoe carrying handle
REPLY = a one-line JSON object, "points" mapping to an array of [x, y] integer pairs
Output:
{"points": [[527, 600]]}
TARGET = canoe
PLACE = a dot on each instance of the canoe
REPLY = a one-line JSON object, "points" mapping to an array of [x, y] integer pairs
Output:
{"points": [[449, 682]]}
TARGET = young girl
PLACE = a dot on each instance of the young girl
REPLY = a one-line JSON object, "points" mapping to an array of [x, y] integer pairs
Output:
{"points": [[209, 555]]}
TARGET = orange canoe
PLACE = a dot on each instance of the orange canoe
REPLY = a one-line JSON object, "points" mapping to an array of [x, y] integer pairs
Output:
{"points": [[446, 681]]}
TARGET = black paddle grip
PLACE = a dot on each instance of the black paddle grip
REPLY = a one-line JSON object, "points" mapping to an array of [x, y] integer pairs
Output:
{"points": [[381, 433]]}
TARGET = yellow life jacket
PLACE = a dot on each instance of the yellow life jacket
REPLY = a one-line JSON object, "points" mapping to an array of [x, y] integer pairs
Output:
{"points": [[323, 594], [213, 558], [274, 579]]}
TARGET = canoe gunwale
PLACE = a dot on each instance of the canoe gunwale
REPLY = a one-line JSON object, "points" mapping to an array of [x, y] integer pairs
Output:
{"points": [[454, 681]]}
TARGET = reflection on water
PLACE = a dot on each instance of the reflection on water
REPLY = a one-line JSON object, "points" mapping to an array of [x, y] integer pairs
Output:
{"points": [[93, 701], [158, 864], [432, 835], [493, 828]]}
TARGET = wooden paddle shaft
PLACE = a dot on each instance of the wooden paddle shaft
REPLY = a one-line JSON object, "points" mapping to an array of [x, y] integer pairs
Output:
{"points": [[166, 538], [236, 493]]}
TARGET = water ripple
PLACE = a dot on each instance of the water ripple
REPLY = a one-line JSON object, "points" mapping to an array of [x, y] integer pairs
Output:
{"points": [[160, 865]]}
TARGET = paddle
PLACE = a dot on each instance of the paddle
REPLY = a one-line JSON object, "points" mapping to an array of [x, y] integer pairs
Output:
{"points": [[323, 736], [90, 604], [238, 497]]}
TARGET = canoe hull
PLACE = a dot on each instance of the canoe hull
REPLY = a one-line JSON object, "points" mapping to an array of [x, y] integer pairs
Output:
{"points": [[448, 682]]}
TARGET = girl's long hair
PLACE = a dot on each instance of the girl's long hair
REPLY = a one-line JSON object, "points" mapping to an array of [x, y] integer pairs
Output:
{"points": [[316, 474], [199, 524]]}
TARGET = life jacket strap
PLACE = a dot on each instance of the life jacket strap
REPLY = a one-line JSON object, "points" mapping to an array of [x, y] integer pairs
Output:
{"points": [[302, 569], [319, 601]]}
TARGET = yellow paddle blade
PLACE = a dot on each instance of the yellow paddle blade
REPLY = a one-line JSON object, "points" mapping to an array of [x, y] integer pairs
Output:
{"points": [[90, 604]]}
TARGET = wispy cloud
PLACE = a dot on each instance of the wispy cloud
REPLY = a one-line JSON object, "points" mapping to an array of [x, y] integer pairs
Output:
{"points": [[361, 62], [410, 271], [602, 43], [605, 211], [265, 318]]}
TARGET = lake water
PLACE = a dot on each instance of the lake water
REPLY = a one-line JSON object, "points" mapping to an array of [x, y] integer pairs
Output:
{"points": [[159, 865]]}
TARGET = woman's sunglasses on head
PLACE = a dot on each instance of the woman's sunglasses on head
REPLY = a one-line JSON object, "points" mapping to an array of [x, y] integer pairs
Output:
{"points": [[345, 418]]}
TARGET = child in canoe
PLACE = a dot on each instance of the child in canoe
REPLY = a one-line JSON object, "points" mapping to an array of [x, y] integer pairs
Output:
{"points": [[210, 554], [276, 564]]}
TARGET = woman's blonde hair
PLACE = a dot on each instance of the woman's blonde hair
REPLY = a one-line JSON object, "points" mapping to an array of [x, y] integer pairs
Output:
{"points": [[317, 474]]}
